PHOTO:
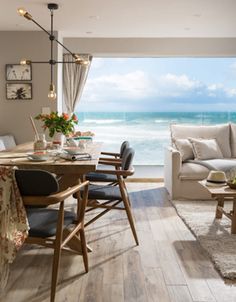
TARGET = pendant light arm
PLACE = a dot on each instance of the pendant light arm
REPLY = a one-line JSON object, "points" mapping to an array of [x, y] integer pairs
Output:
{"points": [[48, 33], [65, 48]]}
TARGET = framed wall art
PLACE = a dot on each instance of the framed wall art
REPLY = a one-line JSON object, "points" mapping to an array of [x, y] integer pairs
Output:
{"points": [[19, 91], [17, 72]]}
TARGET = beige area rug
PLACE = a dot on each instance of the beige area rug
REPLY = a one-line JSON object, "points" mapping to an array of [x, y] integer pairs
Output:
{"points": [[213, 234]]}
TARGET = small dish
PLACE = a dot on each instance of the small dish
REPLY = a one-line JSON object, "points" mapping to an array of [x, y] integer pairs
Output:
{"points": [[37, 156]]}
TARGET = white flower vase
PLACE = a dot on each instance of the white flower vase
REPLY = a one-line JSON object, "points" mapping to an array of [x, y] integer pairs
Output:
{"points": [[58, 140]]}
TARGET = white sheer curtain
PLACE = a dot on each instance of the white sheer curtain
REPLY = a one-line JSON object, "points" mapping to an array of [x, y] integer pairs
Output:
{"points": [[74, 79]]}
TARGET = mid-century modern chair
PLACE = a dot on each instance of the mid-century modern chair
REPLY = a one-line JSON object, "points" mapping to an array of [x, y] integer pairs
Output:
{"points": [[123, 147], [115, 158], [49, 225], [110, 197]]}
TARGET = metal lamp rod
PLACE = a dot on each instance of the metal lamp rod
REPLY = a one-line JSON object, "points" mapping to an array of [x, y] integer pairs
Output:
{"points": [[48, 33], [51, 39]]}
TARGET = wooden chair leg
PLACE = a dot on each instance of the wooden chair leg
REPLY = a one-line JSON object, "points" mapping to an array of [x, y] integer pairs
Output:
{"points": [[84, 249], [57, 251], [125, 199], [131, 220]]}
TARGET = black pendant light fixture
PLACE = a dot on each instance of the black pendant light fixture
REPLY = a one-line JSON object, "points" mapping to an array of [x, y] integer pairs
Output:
{"points": [[77, 58]]}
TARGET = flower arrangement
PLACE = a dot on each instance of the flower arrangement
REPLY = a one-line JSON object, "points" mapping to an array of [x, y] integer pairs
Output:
{"points": [[58, 123]]}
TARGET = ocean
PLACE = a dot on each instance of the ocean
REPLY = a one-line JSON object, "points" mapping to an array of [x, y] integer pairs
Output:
{"points": [[147, 132]]}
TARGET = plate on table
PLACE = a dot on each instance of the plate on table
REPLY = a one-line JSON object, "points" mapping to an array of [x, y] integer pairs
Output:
{"points": [[38, 156]]}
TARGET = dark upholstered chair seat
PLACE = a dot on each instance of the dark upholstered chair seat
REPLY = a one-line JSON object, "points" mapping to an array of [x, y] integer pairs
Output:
{"points": [[96, 176], [104, 192], [43, 222]]}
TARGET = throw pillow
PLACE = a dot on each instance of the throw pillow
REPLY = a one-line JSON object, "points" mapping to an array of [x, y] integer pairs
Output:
{"points": [[206, 148], [185, 148]]}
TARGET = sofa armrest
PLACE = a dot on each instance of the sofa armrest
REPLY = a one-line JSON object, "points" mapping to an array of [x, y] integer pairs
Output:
{"points": [[172, 166]]}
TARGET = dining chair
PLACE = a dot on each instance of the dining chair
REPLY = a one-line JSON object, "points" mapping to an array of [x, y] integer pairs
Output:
{"points": [[115, 158], [52, 226], [123, 147], [109, 197]]}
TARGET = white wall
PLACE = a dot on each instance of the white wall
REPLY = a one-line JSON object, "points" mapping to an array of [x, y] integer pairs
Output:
{"points": [[14, 114], [156, 47]]}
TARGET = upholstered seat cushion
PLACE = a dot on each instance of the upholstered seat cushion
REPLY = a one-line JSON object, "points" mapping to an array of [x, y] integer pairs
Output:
{"points": [[191, 171], [96, 176], [104, 192], [43, 222]]}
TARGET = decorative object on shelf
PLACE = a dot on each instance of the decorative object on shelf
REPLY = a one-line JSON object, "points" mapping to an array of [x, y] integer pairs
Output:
{"points": [[61, 123], [18, 72], [19, 91], [78, 59]]}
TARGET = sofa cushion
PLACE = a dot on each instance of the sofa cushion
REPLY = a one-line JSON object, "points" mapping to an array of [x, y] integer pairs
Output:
{"points": [[205, 148], [220, 132], [191, 171], [185, 148]]}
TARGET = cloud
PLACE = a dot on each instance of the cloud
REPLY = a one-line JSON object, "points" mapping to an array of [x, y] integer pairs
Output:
{"points": [[230, 92], [133, 85], [172, 85], [123, 89]]}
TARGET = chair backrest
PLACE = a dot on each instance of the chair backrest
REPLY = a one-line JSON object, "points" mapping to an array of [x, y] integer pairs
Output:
{"points": [[36, 182], [127, 159], [123, 147]]}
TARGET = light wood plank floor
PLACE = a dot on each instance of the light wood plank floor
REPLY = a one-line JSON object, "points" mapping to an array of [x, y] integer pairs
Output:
{"points": [[169, 265]]}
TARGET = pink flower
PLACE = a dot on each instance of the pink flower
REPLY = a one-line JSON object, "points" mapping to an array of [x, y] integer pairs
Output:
{"points": [[65, 116], [74, 118]]}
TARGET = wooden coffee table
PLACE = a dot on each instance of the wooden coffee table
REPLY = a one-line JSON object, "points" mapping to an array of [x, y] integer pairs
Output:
{"points": [[221, 194]]}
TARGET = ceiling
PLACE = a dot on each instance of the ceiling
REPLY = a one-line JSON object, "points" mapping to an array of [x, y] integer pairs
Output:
{"points": [[126, 18]]}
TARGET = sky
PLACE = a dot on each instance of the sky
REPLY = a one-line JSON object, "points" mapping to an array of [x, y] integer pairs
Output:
{"points": [[160, 84]]}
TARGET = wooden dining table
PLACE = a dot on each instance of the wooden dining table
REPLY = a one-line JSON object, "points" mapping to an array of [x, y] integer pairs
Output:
{"points": [[68, 172], [71, 170]]}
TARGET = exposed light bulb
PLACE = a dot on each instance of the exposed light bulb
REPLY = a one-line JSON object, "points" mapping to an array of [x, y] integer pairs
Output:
{"points": [[25, 62], [21, 11], [52, 94], [85, 62], [80, 60]]}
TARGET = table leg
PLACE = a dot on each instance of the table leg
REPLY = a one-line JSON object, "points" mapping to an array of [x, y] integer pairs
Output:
{"points": [[220, 203], [233, 223]]}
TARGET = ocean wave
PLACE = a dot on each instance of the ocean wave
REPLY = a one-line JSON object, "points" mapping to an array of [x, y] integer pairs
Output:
{"points": [[159, 121], [102, 121]]}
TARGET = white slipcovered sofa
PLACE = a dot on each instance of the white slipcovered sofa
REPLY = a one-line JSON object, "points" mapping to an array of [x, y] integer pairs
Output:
{"points": [[182, 172]]}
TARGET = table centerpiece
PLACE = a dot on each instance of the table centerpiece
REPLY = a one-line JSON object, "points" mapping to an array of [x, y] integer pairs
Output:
{"points": [[58, 125]]}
